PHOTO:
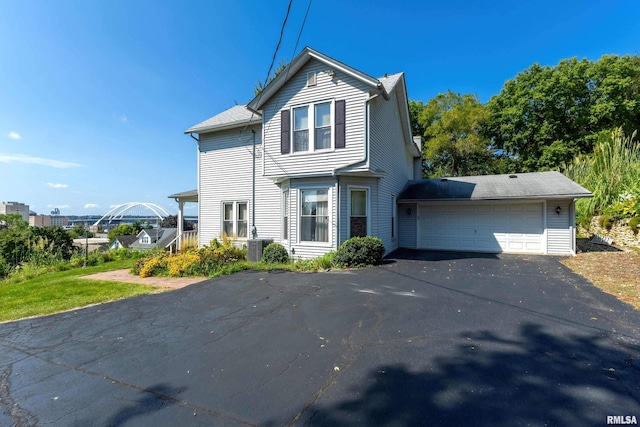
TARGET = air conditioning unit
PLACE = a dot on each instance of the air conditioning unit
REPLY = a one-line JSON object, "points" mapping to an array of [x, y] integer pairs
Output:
{"points": [[255, 248]]}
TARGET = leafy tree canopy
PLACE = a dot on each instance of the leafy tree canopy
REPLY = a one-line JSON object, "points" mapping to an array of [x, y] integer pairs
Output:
{"points": [[122, 230], [453, 144], [545, 116]]}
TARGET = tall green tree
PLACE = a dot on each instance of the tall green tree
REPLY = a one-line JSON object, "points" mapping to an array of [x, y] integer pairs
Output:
{"points": [[453, 144], [122, 230], [545, 116]]}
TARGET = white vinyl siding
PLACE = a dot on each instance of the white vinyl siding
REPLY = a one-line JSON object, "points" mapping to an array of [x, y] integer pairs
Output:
{"points": [[407, 232], [295, 94], [389, 154], [559, 227], [225, 166]]}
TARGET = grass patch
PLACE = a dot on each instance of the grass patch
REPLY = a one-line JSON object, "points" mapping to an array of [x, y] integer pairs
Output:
{"points": [[58, 291]]}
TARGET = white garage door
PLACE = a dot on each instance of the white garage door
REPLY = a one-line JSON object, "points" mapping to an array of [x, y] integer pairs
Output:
{"points": [[482, 227]]}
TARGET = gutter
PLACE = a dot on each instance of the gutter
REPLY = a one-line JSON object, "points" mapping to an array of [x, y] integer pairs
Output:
{"points": [[365, 155]]}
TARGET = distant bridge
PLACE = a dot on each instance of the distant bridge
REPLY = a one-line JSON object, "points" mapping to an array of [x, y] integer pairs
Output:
{"points": [[119, 211]]}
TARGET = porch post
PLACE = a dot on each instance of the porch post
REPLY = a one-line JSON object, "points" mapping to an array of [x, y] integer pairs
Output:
{"points": [[180, 223]]}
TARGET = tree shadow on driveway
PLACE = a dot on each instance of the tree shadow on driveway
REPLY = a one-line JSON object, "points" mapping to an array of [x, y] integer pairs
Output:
{"points": [[151, 400], [532, 379]]}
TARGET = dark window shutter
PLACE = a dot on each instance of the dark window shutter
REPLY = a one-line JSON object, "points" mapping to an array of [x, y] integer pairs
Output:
{"points": [[285, 137], [340, 123]]}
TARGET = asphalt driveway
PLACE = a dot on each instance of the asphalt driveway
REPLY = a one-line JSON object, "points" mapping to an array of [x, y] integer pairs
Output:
{"points": [[426, 339]]}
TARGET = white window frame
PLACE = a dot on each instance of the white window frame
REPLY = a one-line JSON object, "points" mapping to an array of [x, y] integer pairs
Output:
{"points": [[145, 239], [368, 201], [329, 241], [286, 213], [311, 128], [235, 211]]}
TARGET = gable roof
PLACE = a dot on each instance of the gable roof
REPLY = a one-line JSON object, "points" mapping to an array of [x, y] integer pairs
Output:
{"points": [[234, 117], [536, 185], [126, 240], [298, 62]]}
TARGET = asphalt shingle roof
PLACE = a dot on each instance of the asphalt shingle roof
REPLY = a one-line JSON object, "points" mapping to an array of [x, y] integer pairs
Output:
{"points": [[235, 116], [536, 185]]}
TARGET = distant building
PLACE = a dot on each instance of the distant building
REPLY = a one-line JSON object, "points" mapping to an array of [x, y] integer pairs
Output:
{"points": [[47, 220], [154, 239], [15, 208], [122, 242]]}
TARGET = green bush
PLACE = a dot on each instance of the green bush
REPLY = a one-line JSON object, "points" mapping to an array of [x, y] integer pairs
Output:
{"points": [[634, 223], [275, 253], [359, 252], [4, 268], [605, 221]]}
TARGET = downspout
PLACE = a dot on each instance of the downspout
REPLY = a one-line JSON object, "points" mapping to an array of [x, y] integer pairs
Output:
{"points": [[365, 154], [198, 187], [253, 188], [572, 225], [338, 211]]}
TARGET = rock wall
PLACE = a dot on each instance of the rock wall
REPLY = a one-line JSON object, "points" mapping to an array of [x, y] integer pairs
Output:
{"points": [[620, 233]]}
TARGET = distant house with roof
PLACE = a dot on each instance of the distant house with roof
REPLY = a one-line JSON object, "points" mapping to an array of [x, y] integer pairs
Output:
{"points": [[154, 238], [120, 242]]}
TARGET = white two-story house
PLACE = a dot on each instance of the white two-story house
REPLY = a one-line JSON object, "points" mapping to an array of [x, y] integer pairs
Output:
{"points": [[333, 150], [325, 152]]}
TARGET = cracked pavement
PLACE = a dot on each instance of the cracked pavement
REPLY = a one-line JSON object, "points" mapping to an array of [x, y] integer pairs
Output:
{"points": [[426, 339]]}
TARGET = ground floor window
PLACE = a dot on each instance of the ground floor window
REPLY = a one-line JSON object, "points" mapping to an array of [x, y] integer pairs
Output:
{"points": [[234, 219], [314, 215]]}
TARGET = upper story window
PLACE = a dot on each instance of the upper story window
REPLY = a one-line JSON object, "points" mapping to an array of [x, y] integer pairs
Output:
{"points": [[315, 127], [145, 240], [320, 138]]}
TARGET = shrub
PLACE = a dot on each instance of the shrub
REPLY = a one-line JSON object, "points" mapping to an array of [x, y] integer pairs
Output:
{"points": [[156, 266], [183, 264], [634, 223], [4, 268], [275, 253], [605, 221], [359, 252]]}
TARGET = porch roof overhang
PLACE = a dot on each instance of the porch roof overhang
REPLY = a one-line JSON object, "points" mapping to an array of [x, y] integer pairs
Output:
{"points": [[185, 196]]}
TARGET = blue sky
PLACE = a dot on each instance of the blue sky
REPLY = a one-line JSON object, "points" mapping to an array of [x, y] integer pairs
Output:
{"points": [[95, 95]]}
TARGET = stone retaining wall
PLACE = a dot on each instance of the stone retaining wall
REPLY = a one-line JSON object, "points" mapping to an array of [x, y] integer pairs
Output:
{"points": [[620, 233]]}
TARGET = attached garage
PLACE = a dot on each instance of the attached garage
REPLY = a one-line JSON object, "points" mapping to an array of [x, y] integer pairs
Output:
{"points": [[523, 213]]}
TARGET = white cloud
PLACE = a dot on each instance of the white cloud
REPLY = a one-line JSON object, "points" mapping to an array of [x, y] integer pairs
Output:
{"points": [[52, 185], [21, 158], [122, 118], [14, 135], [91, 206]]}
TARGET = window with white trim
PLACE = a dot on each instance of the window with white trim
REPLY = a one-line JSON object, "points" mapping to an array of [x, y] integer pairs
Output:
{"points": [[235, 219], [314, 215], [285, 214], [312, 127], [145, 239]]}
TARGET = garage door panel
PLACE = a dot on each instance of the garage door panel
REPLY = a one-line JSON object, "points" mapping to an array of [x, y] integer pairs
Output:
{"points": [[486, 227]]}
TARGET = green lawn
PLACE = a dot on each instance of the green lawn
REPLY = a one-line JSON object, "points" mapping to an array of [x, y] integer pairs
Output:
{"points": [[64, 290]]}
